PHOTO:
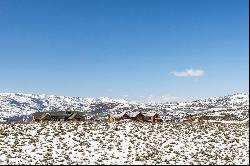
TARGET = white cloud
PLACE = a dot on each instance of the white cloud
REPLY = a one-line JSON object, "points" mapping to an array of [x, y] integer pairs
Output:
{"points": [[189, 73]]}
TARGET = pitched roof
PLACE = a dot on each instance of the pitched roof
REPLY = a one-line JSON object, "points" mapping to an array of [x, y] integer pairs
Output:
{"points": [[41, 115], [58, 113], [151, 114], [134, 114], [76, 115], [118, 115]]}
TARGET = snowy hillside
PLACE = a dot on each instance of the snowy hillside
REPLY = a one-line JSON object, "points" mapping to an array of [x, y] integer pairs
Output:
{"points": [[127, 143], [12, 104], [230, 101], [18, 106]]}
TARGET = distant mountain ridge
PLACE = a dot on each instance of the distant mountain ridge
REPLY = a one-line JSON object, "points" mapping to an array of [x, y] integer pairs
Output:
{"points": [[19, 105]]}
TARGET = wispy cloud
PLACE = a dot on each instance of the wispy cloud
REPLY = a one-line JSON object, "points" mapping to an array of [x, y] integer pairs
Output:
{"points": [[189, 73]]}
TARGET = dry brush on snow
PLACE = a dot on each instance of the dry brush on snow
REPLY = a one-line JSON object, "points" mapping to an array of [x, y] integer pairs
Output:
{"points": [[123, 142]]}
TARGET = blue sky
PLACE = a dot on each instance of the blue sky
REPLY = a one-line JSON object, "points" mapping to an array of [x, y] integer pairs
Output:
{"points": [[124, 48]]}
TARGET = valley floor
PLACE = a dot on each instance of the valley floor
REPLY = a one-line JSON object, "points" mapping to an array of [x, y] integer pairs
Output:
{"points": [[124, 143]]}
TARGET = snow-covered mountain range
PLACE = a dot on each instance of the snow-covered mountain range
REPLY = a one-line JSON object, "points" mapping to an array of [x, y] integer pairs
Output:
{"points": [[18, 105]]}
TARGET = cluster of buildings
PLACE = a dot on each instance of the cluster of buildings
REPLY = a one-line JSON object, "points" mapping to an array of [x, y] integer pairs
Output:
{"points": [[79, 116], [136, 116]]}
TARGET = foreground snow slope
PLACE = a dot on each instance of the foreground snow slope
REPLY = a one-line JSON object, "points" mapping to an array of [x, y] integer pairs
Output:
{"points": [[123, 143]]}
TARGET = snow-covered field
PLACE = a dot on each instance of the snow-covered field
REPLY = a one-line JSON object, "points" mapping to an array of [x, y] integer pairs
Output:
{"points": [[123, 142]]}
